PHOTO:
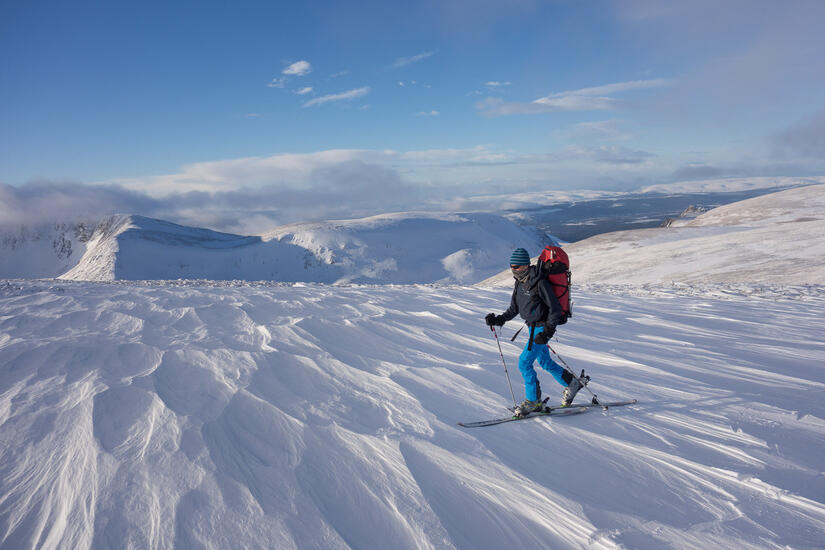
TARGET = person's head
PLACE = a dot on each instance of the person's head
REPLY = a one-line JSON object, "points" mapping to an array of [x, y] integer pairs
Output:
{"points": [[519, 261]]}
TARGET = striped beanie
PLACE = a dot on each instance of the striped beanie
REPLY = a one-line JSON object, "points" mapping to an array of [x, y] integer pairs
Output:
{"points": [[519, 257]]}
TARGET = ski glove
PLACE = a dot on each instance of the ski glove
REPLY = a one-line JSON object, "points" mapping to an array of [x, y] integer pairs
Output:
{"points": [[544, 336], [494, 320]]}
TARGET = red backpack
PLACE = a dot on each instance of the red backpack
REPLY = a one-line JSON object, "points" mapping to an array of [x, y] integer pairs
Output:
{"points": [[554, 263]]}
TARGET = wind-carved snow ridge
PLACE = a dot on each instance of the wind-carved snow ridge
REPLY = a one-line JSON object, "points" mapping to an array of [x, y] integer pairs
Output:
{"points": [[231, 415]]}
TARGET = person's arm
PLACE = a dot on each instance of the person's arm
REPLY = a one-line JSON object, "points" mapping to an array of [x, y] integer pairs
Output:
{"points": [[511, 311], [499, 320]]}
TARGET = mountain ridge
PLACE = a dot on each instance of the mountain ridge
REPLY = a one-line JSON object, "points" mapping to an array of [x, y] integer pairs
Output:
{"points": [[402, 248]]}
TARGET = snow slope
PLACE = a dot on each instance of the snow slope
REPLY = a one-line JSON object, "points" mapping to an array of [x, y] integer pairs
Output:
{"points": [[771, 239], [128, 247], [394, 248], [413, 247], [187, 415], [42, 250]]}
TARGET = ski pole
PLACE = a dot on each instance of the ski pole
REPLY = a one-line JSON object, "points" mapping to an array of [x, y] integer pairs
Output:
{"points": [[507, 374], [570, 370]]}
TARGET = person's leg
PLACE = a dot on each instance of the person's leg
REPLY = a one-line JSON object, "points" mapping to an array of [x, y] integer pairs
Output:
{"points": [[525, 365], [562, 376]]}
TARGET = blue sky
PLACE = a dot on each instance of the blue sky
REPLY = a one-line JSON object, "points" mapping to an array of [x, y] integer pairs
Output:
{"points": [[269, 107]]}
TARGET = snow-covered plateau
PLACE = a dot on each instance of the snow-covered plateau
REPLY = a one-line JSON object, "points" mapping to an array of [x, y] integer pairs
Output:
{"points": [[237, 414], [198, 415], [771, 239]]}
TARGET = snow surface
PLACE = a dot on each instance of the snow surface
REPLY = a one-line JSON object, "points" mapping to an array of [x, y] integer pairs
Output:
{"points": [[771, 239], [42, 250], [234, 415], [413, 247]]}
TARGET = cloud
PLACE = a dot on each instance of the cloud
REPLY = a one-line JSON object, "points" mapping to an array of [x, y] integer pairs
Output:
{"points": [[600, 130], [404, 61], [740, 58], [585, 99], [254, 194], [304, 91], [495, 84], [698, 171], [616, 88], [40, 202], [428, 113], [803, 139], [299, 68], [277, 82], [605, 154], [343, 96]]}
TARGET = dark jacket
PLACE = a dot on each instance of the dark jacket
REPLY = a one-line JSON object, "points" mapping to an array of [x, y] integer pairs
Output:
{"points": [[534, 300]]}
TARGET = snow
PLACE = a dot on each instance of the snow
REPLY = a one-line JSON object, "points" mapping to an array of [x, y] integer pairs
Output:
{"points": [[771, 239], [238, 414], [412, 247], [403, 248], [42, 250], [230, 415], [722, 185]]}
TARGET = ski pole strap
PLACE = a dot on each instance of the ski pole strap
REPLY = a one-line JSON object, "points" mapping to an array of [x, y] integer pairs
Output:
{"points": [[513, 339]]}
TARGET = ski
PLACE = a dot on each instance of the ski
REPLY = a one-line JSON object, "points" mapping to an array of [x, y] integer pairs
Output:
{"points": [[563, 411], [553, 410], [590, 405]]}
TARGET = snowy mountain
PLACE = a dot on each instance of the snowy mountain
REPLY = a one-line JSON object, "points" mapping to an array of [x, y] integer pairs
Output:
{"points": [[413, 247], [771, 239], [394, 248], [135, 248], [42, 250], [223, 416]]}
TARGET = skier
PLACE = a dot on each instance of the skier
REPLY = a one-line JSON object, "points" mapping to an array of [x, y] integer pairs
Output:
{"points": [[534, 299]]}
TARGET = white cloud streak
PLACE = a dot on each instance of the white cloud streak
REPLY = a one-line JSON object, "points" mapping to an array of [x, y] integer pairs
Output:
{"points": [[595, 98], [404, 61], [343, 96]]}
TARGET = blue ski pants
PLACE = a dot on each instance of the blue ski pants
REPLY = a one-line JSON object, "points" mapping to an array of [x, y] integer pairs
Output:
{"points": [[525, 365]]}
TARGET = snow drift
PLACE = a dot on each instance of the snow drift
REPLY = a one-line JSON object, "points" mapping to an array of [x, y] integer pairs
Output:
{"points": [[308, 416]]}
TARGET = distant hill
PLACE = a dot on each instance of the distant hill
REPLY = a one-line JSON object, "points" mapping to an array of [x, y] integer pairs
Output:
{"points": [[775, 238]]}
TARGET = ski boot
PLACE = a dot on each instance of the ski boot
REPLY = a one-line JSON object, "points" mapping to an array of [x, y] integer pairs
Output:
{"points": [[528, 407], [573, 388]]}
